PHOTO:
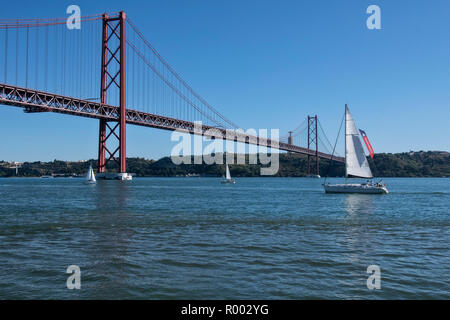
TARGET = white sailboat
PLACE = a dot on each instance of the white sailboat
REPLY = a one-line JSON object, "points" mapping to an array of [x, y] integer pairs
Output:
{"points": [[356, 164], [90, 176], [228, 177]]}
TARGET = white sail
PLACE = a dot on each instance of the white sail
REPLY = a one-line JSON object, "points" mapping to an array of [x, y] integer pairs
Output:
{"points": [[228, 176], [356, 163], [93, 175], [90, 177]]}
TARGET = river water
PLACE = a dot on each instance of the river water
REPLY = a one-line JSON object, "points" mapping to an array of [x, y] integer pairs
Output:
{"points": [[194, 238]]}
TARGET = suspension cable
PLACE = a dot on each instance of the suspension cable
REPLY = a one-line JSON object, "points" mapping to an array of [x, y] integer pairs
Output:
{"points": [[167, 82], [41, 22], [26, 69], [323, 132], [161, 59], [334, 148], [6, 54]]}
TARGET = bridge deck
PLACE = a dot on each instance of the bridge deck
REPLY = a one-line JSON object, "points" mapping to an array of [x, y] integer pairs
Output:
{"points": [[39, 101]]}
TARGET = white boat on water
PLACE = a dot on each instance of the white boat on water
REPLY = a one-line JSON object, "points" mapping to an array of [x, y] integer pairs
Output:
{"points": [[90, 176], [377, 188], [228, 177], [356, 164]]}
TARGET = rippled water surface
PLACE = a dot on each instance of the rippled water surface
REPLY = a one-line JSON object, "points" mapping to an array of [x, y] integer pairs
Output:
{"points": [[183, 238]]}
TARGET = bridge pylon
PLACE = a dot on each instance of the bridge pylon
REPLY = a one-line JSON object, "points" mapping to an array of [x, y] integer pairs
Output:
{"points": [[290, 138], [113, 79], [313, 139]]}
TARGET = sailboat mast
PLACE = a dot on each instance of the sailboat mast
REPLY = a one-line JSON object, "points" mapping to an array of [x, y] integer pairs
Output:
{"points": [[345, 139]]}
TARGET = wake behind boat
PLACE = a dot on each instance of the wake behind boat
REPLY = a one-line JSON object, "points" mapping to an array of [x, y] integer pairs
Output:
{"points": [[356, 164], [228, 177]]}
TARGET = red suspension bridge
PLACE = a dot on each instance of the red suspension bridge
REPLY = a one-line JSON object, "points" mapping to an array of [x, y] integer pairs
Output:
{"points": [[49, 68]]}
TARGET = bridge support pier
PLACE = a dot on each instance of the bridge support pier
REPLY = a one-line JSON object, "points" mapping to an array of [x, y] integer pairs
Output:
{"points": [[113, 77]]}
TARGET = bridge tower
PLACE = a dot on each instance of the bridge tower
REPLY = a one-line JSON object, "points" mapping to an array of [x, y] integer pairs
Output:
{"points": [[113, 80], [290, 138], [313, 139]]}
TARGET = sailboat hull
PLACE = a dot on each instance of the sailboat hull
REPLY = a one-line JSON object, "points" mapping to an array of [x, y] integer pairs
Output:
{"points": [[355, 188], [232, 181]]}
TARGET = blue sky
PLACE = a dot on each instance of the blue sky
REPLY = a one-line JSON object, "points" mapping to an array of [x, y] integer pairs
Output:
{"points": [[268, 64]]}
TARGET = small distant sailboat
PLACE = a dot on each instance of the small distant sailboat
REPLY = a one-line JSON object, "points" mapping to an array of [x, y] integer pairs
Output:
{"points": [[90, 176], [228, 177], [356, 164]]}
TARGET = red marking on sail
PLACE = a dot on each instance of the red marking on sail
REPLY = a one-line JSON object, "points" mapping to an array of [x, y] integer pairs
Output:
{"points": [[367, 142]]}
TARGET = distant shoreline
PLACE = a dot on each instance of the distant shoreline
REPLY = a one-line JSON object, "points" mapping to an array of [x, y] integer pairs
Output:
{"points": [[430, 164], [210, 177]]}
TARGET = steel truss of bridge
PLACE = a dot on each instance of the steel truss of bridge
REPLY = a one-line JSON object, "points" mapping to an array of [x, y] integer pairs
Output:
{"points": [[39, 101]]}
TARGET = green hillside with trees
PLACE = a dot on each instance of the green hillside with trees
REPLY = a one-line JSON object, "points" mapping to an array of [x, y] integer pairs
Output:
{"points": [[412, 164]]}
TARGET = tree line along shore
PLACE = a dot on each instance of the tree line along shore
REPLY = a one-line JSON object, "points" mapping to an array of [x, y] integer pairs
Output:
{"points": [[410, 164]]}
